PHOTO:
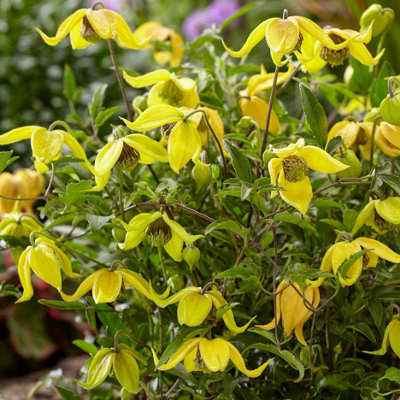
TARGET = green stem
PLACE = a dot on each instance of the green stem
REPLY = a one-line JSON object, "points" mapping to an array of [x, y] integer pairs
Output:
{"points": [[161, 257], [371, 154], [120, 193]]}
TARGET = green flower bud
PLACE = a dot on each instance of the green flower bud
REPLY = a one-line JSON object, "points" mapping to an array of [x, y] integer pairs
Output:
{"points": [[191, 255], [202, 176], [215, 171], [245, 123], [370, 117], [381, 17], [350, 159], [390, 109]]}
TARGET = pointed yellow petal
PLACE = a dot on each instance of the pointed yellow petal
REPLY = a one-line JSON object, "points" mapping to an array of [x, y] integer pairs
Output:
{"points": [[106, 286], [174, 247], [101, 182], [63, 260], [147, 79], [77, 41], [47, 145], [77, 149], [179, 355], [132, 239], [180, 231], [64, 28], [83, 288], [154, 117], [282, 35], [147, 147], [364, 215], [237, 359], [254, 38], [108, 156], [127, 371], [320, 161], [23, 133], [163, 301], [360, 52], [215, 353], [379, 249], [194, 308], [259, 83], [24, 272], [274, 168], [385, 342], [389, 209], [296, 194], [394, 336], [342, 252], [141, 221], [103, 22]]}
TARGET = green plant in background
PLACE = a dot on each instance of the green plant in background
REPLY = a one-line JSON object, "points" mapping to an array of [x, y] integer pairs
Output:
{"points": [[195, 324]]}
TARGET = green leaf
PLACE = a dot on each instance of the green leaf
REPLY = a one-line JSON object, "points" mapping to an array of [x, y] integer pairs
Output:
{"points": [[363, 328], [97, 221], [97, 101], [334, 223], [66, 394], [105, 115], [76, 193], [228, 225], [69, 83], [334, 144], [392, 180], [240, 163], [286, 216], [221, 311], [63, 305], [377, 312], [315, 114], [347, 264], [393, 374], [85, 346], [379, 87], [5, 159], [349, 218], [237, 272], [242, 11]]}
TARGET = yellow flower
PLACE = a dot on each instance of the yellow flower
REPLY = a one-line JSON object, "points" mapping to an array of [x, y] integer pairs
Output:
{"points": [[208, 355], [343, 251], [106, 286], [387, 138], [194, 307], [392, 336], [126, 153], [380, 215], [354, 134], [46, 145], [124, 364], [45, 259], [160, 230], [283, 36], [24, 183], [314, 54], [290, 305], [87, 26], [166, 35], [184, 142], [167, 89], [290, 172]]}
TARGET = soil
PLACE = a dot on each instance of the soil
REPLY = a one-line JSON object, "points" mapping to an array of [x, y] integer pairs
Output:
{"points": [[18, 388]]}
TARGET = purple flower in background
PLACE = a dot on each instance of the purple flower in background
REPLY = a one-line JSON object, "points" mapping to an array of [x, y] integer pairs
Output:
{"points": [[114, 5], [216, 13]]}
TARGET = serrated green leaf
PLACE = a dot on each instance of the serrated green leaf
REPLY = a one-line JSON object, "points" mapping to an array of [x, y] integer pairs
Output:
{"points": [[240, 163], [392, 180], [97, 101], [97, 221]]}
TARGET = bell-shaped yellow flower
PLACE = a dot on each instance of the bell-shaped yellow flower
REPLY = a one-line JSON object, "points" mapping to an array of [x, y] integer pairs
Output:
{"points": [[126, 153], [314, 54], [167, 89], [208, 355], [387, 137], [354, 134], [391, 336], [45, 259], [343, 251], [184, 142], [87, 26], [106, 286], [291, 307], [123, 363], [24, 183], [165, 35], [160, 230], [380, 215], [290, 172], [46, 145], [283, 36]]}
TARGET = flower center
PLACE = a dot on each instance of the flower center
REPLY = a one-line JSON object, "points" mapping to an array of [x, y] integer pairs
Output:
{"points": [[171, 93], [381, 224], [198, 362], [299, 42], [295, 168], [365, 260], [159, 233], [334, 57], [88, 33], [129, 157]]}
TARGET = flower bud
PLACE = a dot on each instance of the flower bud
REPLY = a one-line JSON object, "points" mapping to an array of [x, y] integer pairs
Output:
{"points": [[202, 175], [245, 123], [191, 255], [390, 109], [349, 158], [370, 117], [215, 171], [193, 309], [381, 17]]}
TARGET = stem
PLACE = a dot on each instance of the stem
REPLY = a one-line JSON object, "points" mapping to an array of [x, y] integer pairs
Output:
{"points": [[172, 388], [269, 112], [371, 154], [115, 263], [121, 201], [160, 256], [274, 285], [207, 286], [119, 79], [61, 123], [288, 80]]}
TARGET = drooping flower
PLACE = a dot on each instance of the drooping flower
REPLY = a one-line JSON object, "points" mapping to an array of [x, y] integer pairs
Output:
{"points": [[106, 286], [391, 336], [290, 172], [24, 183], [194, 307], [314, 54], [165, 35], [45, 259], [341, 252], [167, 89], [87, 26], [387, 138], [283, 36], [354, 134], [46, 144], [380, 215], [123, 363], [126, 153], [184, 142], [160, 230], [208, 355], [291, 306]]}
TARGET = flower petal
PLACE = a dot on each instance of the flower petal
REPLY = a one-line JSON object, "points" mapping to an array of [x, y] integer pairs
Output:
{"points": [[363, 216], [385, 342], [320, 161], [103, 22], [174, 247], [215, 353], [282, 35], [106, 286], [274, 168], [127, 371], [342, 252], [147, 147], [394, 336], [77, 41], [107, 157], [194, 308], [47, 145], [361, 53], [17, 134], [180, 231], [148, 79], [77, 149], [63, 260], [379, 249], [83, 288], [389, 209], [24, 273]]}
